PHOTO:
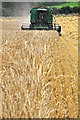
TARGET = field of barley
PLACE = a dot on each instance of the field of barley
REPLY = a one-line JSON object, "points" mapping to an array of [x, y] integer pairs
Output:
{"points": [[39, 70]]}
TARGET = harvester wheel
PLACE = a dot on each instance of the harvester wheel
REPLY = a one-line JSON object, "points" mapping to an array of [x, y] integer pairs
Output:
{"points": [[50, 26], [54, 26]]}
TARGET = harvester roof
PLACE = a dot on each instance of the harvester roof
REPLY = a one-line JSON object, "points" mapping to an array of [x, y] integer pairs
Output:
{"points": [[42, 8]]}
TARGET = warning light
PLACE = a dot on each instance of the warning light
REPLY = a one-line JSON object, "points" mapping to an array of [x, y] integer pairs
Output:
{"points": [[32, 6]]}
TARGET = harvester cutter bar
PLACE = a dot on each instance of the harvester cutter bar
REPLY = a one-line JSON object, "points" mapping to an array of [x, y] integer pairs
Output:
{"points": [[57, 28]]}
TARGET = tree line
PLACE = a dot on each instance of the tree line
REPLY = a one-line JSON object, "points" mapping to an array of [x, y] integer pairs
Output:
{"points": [[66, 10], [18, 9]]}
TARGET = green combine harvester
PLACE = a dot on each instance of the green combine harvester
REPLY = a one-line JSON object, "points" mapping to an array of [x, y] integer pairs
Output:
{"points": [[41, 18]]}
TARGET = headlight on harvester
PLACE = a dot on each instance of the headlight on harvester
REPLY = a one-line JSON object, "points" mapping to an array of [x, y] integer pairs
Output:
{"points": [[49, 22], [33, 21]]}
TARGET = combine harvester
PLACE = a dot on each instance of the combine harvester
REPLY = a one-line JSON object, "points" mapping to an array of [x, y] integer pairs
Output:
{"points": [[41, 18]]}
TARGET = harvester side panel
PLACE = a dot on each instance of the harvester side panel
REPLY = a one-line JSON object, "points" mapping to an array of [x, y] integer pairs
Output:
{"points": [[49, 18], [33, 15]]}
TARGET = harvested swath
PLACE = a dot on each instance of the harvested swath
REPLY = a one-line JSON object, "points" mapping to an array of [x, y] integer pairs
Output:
{"points": [[13, 23], [39, 75]]}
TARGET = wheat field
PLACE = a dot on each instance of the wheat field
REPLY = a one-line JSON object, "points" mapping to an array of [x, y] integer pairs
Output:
{"points": [[39, 71]]}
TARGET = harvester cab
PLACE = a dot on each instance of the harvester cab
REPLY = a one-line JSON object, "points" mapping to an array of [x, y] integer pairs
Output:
{"points": [[41, 18]]}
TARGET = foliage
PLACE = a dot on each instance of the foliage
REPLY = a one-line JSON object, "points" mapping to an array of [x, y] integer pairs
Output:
{"points": [[17, 9], [66, 10], [75, 9], [6, 12], [70, 4]]}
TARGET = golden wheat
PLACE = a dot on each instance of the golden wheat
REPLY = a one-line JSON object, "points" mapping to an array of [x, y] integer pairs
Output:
{"points": [[39, 73]]}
